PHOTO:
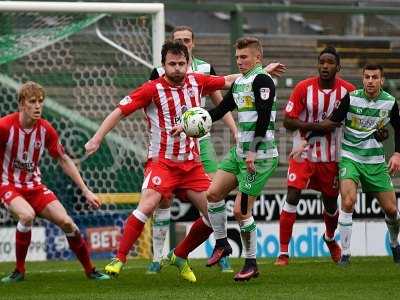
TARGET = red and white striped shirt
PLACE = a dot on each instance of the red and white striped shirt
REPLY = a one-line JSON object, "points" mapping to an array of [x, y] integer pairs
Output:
{"points": [[163, 105], [21, 150], [310, 103]]}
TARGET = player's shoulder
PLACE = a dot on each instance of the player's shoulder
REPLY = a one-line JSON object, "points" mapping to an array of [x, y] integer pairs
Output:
{"points": [[346, 84], [8, 120], [386, 96], [46, 124], [357, 93], [202, 66], [302, 84]]}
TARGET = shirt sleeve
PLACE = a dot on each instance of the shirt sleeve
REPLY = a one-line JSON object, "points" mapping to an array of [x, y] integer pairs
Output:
{"points": [[212, 71], [210, 83], [139, 98], [227, 104], [264, 95], [340, 113], [154, 74], [296, 103], [395, 121], [52, 142]]}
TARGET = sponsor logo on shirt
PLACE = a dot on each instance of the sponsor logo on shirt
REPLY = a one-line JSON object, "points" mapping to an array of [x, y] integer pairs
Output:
{"points": [[125, 101]]}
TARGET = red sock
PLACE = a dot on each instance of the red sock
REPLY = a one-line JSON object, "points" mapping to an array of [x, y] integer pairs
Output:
{"points": [[22, 242], [132, 230], [196, 236], [330, 224], [80, 248], [286, 222]]}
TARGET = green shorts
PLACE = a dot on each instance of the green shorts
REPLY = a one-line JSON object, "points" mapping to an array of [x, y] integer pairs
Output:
{"points": [[251, 184], [373, 177], [208, 155]]}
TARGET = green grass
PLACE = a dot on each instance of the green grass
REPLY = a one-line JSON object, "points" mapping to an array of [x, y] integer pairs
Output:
{"points": [[366, 278]]}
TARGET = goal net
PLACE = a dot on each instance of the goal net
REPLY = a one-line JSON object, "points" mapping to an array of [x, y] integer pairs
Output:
{"points": [[87, 56]]}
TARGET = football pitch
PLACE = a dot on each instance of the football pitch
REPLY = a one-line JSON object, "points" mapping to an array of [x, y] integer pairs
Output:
{"points": [[365, 278]]}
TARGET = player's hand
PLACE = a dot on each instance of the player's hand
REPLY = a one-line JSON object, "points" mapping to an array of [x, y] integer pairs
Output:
{"points": [[91, 146], [298, 151], [176, 130], [235, 136], [381, 134], [275, 69], [251, 157], [327, 126], [394, 163], [91, 198]]}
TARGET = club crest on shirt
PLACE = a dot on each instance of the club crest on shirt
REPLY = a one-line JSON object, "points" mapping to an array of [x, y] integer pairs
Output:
{"points": [[125, 101], [38, 144], [289, 106], [156, 180], [383, 113], [264, 93]]}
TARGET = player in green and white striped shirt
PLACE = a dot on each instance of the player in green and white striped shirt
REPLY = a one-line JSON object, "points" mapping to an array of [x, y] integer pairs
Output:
{"points": [[251, 163], [365, 112]]}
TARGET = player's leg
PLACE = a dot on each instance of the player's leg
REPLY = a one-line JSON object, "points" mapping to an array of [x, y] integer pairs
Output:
{"points": [[250, 187], [326, 180], [160, 229], [223, 182], [349, 177], [378, 182], [25, 214], [299, 174], [198, 234], [55, 212], [387, 201], [133, 227], [217, 215], [243, 214]]}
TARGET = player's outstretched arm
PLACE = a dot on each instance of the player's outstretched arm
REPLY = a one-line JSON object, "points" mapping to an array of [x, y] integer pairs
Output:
{"points": [[109, 123], [275, 69], [71, 170], [216, 98]]}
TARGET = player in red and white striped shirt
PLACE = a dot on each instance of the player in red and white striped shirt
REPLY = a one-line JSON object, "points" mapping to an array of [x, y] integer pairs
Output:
{"points": [[311, 101], [24, 136], [173, 161]]}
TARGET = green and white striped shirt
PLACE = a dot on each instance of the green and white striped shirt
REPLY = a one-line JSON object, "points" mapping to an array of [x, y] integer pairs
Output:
{"points": [[364, 117]]}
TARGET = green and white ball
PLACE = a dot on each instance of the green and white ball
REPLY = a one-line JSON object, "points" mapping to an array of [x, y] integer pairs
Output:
{"points": [[196, 122]]}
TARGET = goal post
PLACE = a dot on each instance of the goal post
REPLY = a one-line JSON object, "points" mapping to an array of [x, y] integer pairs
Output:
{"points": [[87, 56]]}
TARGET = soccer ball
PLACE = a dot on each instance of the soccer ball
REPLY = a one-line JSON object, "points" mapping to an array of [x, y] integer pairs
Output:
{"points": [[196, 122]]}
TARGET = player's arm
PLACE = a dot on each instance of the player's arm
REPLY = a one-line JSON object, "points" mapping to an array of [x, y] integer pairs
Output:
{"points": [[275, 69], [108, 124], [216, 98], [71, 170], [226, 105], [139, 98], [394, 161], [264, 95], [334, 120]]}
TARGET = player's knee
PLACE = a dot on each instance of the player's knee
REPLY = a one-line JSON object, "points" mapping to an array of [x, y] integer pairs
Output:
{"points": [[213, 196], [26, 218], [391, 211], [348, 203], [67, 225]]}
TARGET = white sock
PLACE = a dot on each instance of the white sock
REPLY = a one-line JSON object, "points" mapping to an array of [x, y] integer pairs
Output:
{"points": [[23, 228], [248, 234], [393, 228], [161, 221], [345, 227], [289, 208], [217, 217]]}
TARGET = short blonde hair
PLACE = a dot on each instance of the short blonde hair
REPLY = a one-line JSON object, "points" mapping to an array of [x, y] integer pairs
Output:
{"points": [[249, 42], [30, 88]]}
